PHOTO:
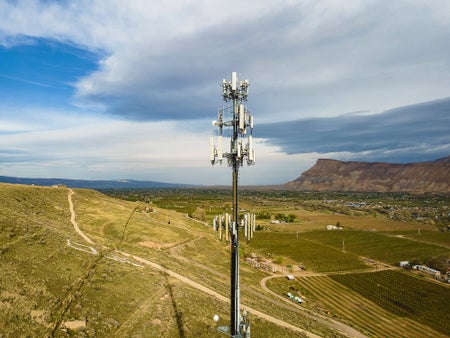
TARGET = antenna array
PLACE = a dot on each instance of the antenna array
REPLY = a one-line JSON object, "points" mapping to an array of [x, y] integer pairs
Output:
{"points": [[222, 225], [238, 119]]}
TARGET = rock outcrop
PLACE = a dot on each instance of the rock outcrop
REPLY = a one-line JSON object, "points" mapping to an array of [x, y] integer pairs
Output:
{"points": [[333, 175]]}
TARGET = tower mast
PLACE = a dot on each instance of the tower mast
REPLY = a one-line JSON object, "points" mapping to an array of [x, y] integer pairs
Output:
{"points": [[241, 125]]}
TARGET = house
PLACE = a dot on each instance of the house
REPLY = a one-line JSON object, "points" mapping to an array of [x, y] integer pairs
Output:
{"points": [[426, 269], [404, 264], [333, 227]]}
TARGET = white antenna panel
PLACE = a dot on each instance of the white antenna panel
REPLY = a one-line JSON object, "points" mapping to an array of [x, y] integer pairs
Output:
{"points": [[239, 146], [233, 80], [227, 224], [250, 118], [241, 117], [219, 148], [211, 149]]}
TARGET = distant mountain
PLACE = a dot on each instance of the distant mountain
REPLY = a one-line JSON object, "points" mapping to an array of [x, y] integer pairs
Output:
{"points": [[333, 175], [444, 159], [90, 184]]}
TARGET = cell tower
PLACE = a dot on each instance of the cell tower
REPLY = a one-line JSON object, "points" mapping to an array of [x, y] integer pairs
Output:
{"points": [[239, 122]]}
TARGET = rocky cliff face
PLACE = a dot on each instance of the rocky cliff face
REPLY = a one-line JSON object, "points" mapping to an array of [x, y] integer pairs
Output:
{"points": [[333, 175]]}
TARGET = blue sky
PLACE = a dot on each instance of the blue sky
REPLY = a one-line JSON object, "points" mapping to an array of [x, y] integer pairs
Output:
{"points": [[114, 89]]}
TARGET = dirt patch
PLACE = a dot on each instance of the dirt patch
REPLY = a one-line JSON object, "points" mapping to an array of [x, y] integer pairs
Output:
{"points": [[157, 246], [39, 316], [75, 325], [156, 322]]}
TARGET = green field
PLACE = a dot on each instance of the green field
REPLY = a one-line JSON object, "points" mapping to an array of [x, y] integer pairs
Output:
{"points": [[313, 256], [325, 295], [434, 237], [378, 246], [340, 250], [404, 295]]}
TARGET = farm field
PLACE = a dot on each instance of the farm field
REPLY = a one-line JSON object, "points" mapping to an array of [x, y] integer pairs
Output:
{"points": [[427, 236], [313, 256], [404, 295], [330, 297], [315, 220], [374, 245]]}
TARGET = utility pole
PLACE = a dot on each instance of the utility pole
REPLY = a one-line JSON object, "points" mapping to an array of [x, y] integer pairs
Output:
{"points": [[241, 125]]}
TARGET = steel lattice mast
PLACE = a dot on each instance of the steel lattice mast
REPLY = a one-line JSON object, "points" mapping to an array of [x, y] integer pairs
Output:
{"points": [[241, 126]]}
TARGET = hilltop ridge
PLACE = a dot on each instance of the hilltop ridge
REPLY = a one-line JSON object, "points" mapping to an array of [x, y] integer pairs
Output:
{"points": [[334, 175]]}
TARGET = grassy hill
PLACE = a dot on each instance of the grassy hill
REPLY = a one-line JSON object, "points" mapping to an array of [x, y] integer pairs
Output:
{"points": [[52, 280]]}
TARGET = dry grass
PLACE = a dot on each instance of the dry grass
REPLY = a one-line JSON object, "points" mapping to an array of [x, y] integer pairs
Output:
{"points": [[45, 279]]}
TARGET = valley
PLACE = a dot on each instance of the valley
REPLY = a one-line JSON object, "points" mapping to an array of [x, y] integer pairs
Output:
{"points": [[151, 265]]}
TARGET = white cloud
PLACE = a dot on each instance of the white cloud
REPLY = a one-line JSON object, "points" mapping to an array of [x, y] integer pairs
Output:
{"points": [[308, 58]]}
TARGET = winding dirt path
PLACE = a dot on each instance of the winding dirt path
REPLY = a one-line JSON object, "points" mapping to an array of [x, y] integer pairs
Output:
{"points": [[210, 292], [186, 280], [73, 219]]}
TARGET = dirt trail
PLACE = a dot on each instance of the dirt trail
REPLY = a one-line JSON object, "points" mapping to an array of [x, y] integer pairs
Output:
{"points": [[187, 280], [73, 219], [442, 245], [217, 295]]}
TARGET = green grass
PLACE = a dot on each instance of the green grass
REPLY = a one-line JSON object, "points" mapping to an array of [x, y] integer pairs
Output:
{"points": [[436, 237], [403, 295], [314, 256], [377, 246]]}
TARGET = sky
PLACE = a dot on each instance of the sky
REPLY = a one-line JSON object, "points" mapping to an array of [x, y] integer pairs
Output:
{"points": [[111, 89]]}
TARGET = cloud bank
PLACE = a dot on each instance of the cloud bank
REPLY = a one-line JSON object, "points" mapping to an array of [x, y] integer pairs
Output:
{"points": [[127, 89], [406, 134]]}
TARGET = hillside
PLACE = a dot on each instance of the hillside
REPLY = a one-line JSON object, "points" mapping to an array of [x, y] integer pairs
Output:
{"points": [[137, 270], [333, 175]]}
